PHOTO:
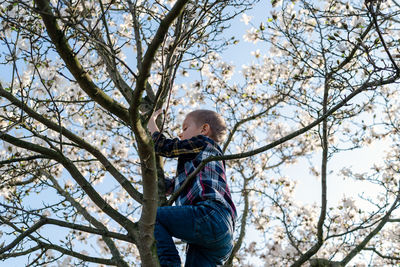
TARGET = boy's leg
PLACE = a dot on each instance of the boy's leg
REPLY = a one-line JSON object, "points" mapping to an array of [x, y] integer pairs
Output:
{"points": [[166, 250], [197, 257], [172, 221], [214, 228], [208, 233]]}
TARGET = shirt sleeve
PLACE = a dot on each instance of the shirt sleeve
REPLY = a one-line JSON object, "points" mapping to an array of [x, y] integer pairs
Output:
{"points": [[171, 148]]}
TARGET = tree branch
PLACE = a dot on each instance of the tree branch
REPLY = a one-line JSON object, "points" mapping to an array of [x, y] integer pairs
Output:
{"points": [[148, 57], [112, 70], [18, 254], [110, 243], [284, 139], [77, 255], [75, 173], [381, 255], [145, 143], [370, 8], [375, 231], [83, 228], [44, 221], [19, 238], [324, 162], [243, 221], [73, 65], [81, 142], [47, 246], [14, 160]]}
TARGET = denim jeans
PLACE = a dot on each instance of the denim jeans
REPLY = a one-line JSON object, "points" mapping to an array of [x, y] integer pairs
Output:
{"points": [[207, 228]]}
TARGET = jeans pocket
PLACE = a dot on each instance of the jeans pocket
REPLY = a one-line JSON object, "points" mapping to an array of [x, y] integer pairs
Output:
{"points": [[210, 227]]}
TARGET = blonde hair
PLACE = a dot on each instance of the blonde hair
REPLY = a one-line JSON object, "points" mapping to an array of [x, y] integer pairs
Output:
{"points": [[212, 118]]}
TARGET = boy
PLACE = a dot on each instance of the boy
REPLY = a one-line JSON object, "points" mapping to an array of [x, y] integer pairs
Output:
{"points": [[204, 213]]}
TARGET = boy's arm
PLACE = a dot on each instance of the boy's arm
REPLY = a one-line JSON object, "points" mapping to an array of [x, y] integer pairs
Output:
{"points": [[174, 147], [152, 127]]}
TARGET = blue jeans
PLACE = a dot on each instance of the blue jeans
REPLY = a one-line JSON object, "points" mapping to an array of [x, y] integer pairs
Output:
{"points": [[207, 228]]}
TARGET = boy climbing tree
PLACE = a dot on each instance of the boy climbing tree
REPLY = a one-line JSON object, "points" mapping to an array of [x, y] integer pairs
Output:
{"points": [[204, 214]]}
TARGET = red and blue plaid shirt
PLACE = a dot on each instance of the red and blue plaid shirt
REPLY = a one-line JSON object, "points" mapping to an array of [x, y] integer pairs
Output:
{"points": [[210, 183]]}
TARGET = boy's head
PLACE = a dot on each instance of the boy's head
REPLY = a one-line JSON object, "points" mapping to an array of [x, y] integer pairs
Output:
{"points": [[205, 122]]}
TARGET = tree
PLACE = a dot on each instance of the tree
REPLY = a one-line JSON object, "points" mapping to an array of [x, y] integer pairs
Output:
{"points": [[75, 103], [325, 53]]}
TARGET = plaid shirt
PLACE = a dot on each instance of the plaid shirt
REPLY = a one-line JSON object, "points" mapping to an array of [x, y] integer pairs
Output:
{"points": [[209, 184]]}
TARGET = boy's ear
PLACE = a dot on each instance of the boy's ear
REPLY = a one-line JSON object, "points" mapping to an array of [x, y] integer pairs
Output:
{"points": [[206, 129]]}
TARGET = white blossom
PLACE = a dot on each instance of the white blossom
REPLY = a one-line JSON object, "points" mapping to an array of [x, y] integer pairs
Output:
{"points": [[252, 36], [246, 19]]}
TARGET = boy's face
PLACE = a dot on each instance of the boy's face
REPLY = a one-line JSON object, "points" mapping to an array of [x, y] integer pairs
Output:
{"points": [[190, 128]]}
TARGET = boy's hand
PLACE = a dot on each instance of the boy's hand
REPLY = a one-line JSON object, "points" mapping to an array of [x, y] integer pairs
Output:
{"points": [[152, 126]]}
